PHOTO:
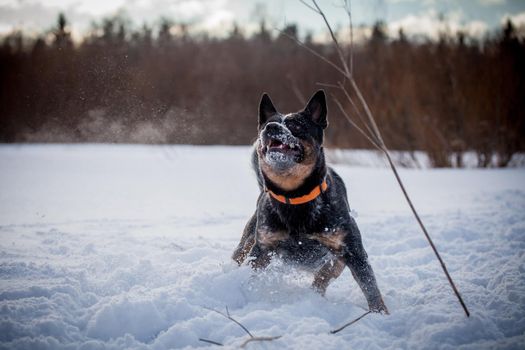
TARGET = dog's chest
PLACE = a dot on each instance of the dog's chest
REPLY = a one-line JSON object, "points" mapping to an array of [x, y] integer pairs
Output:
{"points": [[307, 235], [303, 250], [309, 248], [309, 218]]}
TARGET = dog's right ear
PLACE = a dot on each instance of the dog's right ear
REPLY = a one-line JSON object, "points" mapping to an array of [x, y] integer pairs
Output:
{"points": [[266, 109]]}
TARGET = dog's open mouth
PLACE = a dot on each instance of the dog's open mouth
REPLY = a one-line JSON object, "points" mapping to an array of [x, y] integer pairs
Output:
{"points": [[282, 150], [281, 146], [277, 145]]}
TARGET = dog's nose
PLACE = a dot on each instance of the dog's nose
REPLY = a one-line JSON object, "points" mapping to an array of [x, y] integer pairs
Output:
{"points": [[273, 128]]}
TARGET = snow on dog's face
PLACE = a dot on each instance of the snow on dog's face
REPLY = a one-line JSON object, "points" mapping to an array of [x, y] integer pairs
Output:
{"points": [[288, 145]]}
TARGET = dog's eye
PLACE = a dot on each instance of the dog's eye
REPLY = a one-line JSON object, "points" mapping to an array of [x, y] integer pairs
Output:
{"points": [[293, 126]]}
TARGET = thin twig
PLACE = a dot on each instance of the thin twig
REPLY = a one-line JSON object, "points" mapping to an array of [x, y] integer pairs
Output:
{"points": [[370, 136], [346, 70], [355, 125], [296, 90], [231, 319], [349, 323], [348, 9], [309, 6], [368, 112], [334, 38], [211, 342], [249, 340], [312, 51], [328, 85], [351, 100], [423, 228]]}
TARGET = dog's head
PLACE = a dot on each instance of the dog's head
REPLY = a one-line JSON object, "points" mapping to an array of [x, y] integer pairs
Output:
{"points": [[289, 145]]}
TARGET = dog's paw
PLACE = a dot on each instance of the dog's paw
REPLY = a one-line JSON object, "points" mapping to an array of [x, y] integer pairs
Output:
{"points": [[379, 307]]}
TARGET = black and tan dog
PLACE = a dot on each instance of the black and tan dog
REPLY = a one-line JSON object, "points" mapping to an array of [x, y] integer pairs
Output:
{"points": [[302, 212]]}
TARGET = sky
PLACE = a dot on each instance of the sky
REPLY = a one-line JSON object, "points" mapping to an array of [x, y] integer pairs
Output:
{"points": [[416, 17]]}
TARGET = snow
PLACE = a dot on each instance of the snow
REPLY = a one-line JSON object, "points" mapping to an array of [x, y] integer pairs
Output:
{"points": [[112, 247]]}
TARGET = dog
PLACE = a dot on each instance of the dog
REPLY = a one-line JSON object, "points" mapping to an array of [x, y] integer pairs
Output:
{"points": [[302, 213]]}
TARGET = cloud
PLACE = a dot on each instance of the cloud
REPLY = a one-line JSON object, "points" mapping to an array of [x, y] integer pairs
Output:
{"points": [[491, 2], [217, 16], [431, 24], [518, 19], [36, 16], [100, 7], [476, 28]]}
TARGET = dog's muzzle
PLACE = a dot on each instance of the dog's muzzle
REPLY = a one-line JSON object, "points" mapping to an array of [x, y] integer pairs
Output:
{"points": [[279, 146]]}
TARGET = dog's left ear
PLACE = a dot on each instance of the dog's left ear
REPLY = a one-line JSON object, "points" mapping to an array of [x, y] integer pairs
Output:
{"points": [[266, 109], [316, 109]]}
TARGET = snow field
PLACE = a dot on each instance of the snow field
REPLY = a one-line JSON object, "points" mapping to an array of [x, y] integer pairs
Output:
{"points": [[112, 247]]}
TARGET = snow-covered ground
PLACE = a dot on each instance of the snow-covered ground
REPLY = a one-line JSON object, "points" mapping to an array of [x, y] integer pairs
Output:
{"points": [[127, 246]]}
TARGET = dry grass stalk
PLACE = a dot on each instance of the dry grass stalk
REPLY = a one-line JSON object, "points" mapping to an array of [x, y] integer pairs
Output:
{"points": [[253, 338], [247, 341], [349, 323]]}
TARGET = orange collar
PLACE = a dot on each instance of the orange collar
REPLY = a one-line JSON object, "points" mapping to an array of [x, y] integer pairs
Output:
{"points": [[303, 199]]}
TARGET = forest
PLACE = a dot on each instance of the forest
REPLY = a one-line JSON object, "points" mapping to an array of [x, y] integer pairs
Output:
{"points": [[164, 85]]}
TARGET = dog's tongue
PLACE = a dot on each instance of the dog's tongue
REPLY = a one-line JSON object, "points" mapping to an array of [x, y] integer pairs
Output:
{"points": [[278, 144]]}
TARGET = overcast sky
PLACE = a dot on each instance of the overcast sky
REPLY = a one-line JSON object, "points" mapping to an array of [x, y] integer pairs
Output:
{"points": [[415, 16]]}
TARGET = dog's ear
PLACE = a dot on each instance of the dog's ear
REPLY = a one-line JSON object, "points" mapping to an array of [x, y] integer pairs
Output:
{"points": [[316, 109], [266, 109]]}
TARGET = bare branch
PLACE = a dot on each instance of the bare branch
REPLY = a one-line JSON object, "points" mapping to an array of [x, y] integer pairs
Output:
{"points": [[309, 6], [252, 337], [231, 319], [427, 236], [368, 112], [211, 342], [341, 87], [334, 39], [296, 91], [328, 85], [349, 323], [351, 100], [348, 9], [355, 125], [259, 339], [263, 338], [312, 51]]}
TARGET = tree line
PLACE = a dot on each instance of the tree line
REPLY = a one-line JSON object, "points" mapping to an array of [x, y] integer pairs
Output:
{"points": [[165, 85]]}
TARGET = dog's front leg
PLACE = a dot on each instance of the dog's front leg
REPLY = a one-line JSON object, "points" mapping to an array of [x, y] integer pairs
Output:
{"points": [[364, 275], [356, 259], [267, 239], [260, 256], [328, 272], [247, 241]]}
